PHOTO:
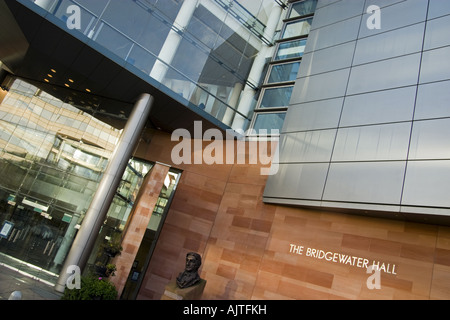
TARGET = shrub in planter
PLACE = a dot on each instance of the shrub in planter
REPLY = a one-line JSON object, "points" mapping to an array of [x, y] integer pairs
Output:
{"points": [[100, 269], [92, 288], [112, 248], [105, 270]]}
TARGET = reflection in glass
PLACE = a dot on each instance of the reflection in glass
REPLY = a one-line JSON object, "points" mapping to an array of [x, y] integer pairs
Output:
{"points": [[290, 49], [119, 211], [217, 48], [50, 168], [297, 28], [303, 8], [283, 72], [276, 97], [269, 121]]}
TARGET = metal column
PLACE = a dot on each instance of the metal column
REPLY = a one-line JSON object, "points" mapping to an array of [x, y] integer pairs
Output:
{"points": [[96, 214]]}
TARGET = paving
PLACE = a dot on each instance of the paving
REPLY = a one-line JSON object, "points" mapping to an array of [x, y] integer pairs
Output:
{"points": [[33, 283]]}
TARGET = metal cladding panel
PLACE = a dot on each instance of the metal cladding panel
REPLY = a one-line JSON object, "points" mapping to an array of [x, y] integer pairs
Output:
{"points": [[380, 92]]}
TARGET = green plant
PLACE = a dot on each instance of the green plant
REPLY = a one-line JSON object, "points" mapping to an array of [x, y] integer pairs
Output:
{"points": [[103, 270], [92, 288], [111, 269], [112, 248], [100, 269]]}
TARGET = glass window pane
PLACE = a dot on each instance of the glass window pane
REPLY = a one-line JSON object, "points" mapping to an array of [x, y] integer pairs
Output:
{"points": [[269, 121], [297, 28], [283, 72], [131, 18], [276, 97], [112, 40], [303, 8], [52, 169], [290, 49]]}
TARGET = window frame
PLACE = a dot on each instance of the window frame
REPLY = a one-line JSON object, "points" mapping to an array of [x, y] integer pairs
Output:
{"points": [[265, 89], [277, 58], [283, 43], [289, 15], [280, 63], [254, 132], [293, 22]]}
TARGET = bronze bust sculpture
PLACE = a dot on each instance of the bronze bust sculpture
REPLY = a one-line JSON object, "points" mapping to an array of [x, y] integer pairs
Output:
{"points": [[189, 276]]}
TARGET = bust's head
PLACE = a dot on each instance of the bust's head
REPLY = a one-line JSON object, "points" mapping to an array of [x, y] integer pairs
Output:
{"points": [[193, 262], [190, 276]]}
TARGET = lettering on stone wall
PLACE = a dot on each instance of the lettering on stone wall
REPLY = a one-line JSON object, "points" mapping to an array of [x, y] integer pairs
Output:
{"points": [[342, 258]]}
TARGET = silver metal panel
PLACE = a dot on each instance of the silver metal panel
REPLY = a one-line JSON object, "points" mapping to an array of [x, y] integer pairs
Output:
{"points": [[319, 61], [398, 15], [323, 3], [435, 65], [433, 100], [337, 11], [437, 33], [390, 44], [381, 3], [369, 182], [334, 34], [430, 139], [391, 73], [323, 114], [379, 107], [427, 183], [362, 207], [322, 86], [381, 158], [438, 8], [297, 181], [377, 142], [426, 210], [309, 146]]}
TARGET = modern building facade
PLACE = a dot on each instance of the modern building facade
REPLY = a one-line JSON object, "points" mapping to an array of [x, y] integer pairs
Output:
{"points": [[93, 92], [363, 129]]}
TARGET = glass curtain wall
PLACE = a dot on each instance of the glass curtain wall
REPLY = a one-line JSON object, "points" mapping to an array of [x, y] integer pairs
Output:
{"points": [[277, 88], [52, 157], [111, 232], [200, 49]]}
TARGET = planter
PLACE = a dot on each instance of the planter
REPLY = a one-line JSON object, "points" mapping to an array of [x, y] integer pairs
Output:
{"points": [[101, 271], [111, 252]]}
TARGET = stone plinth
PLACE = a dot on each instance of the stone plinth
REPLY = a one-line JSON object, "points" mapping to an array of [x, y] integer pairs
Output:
{"points": [[173, 292]]}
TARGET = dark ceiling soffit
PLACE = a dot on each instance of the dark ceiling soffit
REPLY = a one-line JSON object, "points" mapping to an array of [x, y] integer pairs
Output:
{"points": [[14, 44]]}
